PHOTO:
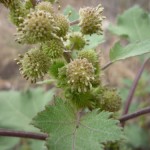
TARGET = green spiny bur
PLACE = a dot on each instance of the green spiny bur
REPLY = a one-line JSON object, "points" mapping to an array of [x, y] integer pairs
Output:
{"points": [[76, 41], [38, 26], [45, 6], [53, 48], [62, 23], [91, 20]]}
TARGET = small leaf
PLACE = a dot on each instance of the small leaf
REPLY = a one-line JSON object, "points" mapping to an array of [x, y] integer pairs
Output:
{"points": [[119, 52], [133, 24], [71, 131], [74, 16], [94, 41]]}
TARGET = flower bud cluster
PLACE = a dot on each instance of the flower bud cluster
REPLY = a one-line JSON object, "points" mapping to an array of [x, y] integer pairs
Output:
{"points": [[91, 20], [80, 74], [110, 100], [76, 41], [39, 26], [34, 64], [53, 48], [49, 31]]}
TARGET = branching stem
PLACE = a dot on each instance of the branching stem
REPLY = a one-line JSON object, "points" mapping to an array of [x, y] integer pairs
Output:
{"points": [[67, 56], [39, 136], [22, 134], [135, 114], [33, 2], [107, 65], [134, 85], [74, 22]]}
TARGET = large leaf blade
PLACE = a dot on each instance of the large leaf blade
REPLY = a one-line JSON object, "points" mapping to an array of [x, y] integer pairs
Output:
{"points": [[133, 24], [17, 109], [119, 52], [70, 130]]}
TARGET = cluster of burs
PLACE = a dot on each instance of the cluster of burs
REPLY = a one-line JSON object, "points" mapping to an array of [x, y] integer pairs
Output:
{"points": [[50, 33]]}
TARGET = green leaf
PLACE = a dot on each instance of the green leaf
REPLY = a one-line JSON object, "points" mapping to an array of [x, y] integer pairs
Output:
{"points": [[17, 110], [137, 137], [69, 130], [8, 142], [133, 24], [74, 16], [119, 52], [94, 41]]}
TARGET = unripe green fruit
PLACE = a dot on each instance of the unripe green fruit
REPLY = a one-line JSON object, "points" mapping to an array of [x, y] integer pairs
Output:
{"points": [[62, 23], [39, 26], [91, 20], [110, 100], [45, 6], [34, 64], [53, 48], [90, 55], [76, 41], [17, 12], [80, 75], [55, 66]]}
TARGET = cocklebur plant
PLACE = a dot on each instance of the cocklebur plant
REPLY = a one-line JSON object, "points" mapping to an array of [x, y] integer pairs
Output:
{"points": [[83, 116]]}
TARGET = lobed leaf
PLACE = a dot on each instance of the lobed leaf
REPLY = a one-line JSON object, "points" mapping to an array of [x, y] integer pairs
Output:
{"points": [[72, 131], [17, 110], [133, 24], [119, 52]]}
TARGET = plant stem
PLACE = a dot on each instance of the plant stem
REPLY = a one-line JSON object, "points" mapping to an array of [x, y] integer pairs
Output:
{"points": [[39, 136], [107, 65], [67, 56], [135, 114], [33, 2], [22, 134], [134, 85], [74, 22]]}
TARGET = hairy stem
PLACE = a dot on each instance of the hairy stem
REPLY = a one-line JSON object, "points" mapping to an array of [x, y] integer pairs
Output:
{"points": [[107, 65], [67, 56], [22, 134], [135, 114], [39, 136], [33, 2], [74, 22], [133, 88]]}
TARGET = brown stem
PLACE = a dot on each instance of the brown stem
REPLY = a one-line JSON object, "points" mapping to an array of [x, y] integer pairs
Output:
{"points": [[67, 56], [134, 85], [33, 2], [133, 88], [135, 114], [22, 134], [107, 65], [74, 22], [39, 136]]}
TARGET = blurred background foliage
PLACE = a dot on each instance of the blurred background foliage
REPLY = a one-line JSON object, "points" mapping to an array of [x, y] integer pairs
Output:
{"points": [[120, 75]]}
